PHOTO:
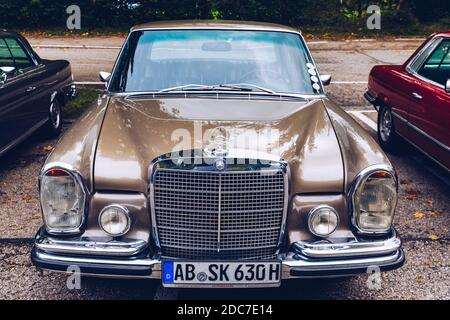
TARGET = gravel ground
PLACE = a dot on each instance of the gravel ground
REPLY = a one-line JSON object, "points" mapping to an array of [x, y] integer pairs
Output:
{"points": [[422, 215]]}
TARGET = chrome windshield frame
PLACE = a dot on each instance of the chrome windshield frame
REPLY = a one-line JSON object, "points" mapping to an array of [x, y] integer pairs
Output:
{"points": [[321, 94]]}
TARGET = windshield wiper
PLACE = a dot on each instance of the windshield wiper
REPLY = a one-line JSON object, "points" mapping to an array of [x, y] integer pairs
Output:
{"points": [[229, 87], [245, 87], [187, 87]]}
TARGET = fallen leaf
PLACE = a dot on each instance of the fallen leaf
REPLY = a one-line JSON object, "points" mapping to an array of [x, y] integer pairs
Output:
{"points": [[411, 194], [48, 148], [418, 215], [433, 237], [27, 198], [420, 279]]}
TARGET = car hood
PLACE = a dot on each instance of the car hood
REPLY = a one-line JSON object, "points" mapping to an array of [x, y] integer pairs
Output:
{"points": [[135, 132]]}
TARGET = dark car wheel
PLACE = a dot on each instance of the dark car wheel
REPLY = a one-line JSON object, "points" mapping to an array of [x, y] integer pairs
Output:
{"points": [[54, 124], [387, 137]]}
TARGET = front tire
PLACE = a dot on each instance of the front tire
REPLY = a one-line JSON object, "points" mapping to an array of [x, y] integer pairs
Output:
{"points": [[54, 124], [387, 136]]}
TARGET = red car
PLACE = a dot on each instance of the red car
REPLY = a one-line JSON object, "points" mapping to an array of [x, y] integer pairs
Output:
{"points": [[413, 100]]}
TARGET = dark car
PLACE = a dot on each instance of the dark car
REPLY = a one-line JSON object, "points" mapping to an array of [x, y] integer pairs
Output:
{"points": [[413, 100], [32, 91]]}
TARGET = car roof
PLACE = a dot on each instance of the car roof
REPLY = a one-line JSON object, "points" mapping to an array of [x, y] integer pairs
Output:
{"points": [[214, 24], [6, 33], [445, 34]]}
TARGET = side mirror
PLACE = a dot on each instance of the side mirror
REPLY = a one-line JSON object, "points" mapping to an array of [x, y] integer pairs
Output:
{"points": [[326, 80], [447, 86], [5, 71], [8, 70], [104, 76]]}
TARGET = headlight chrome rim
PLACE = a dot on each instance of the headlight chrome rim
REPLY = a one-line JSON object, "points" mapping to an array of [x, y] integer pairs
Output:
{"points": [[314, 211], [125, 211], [360, 179], [75, 174]]}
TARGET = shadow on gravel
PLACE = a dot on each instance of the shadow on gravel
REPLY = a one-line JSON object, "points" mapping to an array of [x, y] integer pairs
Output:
{"points": [[97, 288], [25, 153], [416, 160], [293, 289]]}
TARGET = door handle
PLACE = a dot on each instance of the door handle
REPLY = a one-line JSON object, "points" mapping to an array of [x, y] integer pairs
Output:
{"points": [[31, 89], [417, 96]]}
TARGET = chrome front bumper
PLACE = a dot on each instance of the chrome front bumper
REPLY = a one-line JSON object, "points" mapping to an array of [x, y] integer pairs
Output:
{"points": [[133, 259]]}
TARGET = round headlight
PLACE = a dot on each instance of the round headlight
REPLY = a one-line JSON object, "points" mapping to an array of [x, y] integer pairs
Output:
{"points": [[323, 221], [374, 202], [62, 201], [115, 220]]}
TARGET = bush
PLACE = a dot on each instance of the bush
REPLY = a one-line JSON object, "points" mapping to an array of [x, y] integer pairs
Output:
{"points": [[325, 15]]}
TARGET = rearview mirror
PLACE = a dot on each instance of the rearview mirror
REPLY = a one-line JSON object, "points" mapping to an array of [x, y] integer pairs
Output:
{"points": [[104, 76], [447, 86], [326, 80]]}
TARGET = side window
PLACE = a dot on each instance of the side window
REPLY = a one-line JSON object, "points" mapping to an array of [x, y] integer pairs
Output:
{"points": [[6, 59], [437, 66], [21, 58]]}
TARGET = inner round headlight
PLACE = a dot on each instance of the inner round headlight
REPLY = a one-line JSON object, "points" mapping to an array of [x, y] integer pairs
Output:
{"points": [[323, 221], [115, 220], [374, 202], [62, 201]]}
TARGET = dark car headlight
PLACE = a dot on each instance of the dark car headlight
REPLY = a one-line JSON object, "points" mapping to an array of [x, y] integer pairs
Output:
{"points": [[62, 200], [374, 199]]}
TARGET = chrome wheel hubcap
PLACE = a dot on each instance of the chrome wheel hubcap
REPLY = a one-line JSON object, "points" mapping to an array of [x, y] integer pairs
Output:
{"points": [[386, 125], [55, 115]]}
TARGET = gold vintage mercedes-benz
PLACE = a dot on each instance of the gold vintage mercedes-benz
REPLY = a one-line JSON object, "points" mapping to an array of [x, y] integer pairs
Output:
{"points": [[215, 159]]}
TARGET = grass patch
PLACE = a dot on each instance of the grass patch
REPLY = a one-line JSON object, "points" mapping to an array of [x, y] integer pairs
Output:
{"points": [[84, 99]]}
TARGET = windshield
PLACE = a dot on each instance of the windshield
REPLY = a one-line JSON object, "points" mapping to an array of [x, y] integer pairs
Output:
{"points": [[152, 61]]}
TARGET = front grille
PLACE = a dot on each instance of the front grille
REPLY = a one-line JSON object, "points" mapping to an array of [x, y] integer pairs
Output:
{"points": [[212, 215]]}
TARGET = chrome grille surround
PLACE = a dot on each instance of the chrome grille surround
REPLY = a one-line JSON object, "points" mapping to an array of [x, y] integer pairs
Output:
{"points": [[199, 213]]}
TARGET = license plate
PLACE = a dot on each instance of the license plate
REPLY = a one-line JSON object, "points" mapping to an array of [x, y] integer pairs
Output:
{"points": [[221, 274]]}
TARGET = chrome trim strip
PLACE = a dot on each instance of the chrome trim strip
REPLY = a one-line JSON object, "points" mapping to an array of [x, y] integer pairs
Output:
{"points": [[24, 136], [360, 178], [310, 56], [291, 263], [426, 135], [353, 248], [219, 213], [420, 59], [426, 154], [399, 117], [89, 247], [221, 250], [118, 262]]}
